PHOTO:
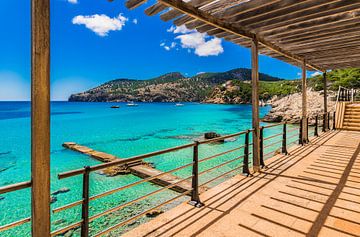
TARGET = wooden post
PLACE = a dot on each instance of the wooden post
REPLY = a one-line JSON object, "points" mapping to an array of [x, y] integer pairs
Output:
{"points": [[304, 103], [255, 103], [325, 98], [40, 117]]}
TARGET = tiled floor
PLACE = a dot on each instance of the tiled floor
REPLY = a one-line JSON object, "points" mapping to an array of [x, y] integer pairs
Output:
{"points": [[314, 191]]}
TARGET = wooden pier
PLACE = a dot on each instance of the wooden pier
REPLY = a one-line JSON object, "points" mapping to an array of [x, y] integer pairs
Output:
{"points": [[140, 169]]}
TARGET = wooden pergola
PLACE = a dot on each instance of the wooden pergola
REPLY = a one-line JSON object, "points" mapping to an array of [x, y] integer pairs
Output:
{"points": [[312, 34]]}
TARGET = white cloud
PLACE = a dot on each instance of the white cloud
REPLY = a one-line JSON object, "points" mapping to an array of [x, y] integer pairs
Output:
{"points": [[315, 74], [201, 43], [101, 24], [13, 87], [135, 21], [168, 47], [299, 74], [199, 73], [73, 1]]}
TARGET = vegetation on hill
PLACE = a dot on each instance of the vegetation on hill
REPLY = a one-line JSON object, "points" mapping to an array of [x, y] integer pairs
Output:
{"points": [[349, 78], [170, 87]]}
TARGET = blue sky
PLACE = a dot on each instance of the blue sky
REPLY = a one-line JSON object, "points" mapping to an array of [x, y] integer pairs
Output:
{"points": [[94, 41]]}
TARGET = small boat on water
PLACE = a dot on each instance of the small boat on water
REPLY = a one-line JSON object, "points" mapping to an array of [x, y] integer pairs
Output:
{"points": [[179, 104], [131, 104], [115, 107]]}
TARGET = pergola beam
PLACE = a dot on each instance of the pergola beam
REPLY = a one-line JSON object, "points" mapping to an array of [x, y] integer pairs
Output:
{"points": [[231, 28]]}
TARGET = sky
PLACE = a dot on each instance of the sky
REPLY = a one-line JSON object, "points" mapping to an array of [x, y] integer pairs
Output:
{"points": [[94, 41]]}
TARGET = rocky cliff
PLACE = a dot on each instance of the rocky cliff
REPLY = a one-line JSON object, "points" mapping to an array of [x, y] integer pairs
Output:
{"points": [[289, 108]]}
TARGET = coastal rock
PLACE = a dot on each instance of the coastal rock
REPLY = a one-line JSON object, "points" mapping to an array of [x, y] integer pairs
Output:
{"points": [[53, 199], [62, 190], [2, 198], [289, 108]]}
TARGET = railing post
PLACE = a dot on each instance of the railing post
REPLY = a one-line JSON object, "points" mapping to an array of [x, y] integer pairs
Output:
{"points": [[246, 154], [284, 150], [324, 123], [328, 120], [316, 132], [262, 163], [307, 130], [195, 199], [334, 121], [300, 133], [85, 203]]}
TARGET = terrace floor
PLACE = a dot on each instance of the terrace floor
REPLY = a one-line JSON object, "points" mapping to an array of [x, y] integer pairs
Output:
{"points": [[314, 191]]}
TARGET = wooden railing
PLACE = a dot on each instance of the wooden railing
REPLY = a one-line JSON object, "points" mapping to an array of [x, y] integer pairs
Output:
{"points": [[269, 145], [13, 188]]}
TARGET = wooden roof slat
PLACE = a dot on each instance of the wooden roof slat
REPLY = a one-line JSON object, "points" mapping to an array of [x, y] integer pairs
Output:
{"points": [[321, 29], [303, 50], [155, 9], [171, 14], [325, 52], [245, 7], [183, 20], [322, 44], [192, 25], [273, 10], [282, 23], [221, 5], [205, 28], [215, 31], [343, 33], [132, 4]]}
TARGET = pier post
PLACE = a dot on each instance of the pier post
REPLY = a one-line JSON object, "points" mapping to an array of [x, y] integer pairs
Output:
{"points": [[284, 149], [325, 96], [316, 132], [195, 199], [334, 120], [85, 203], [40, 117], [304, 104], [300, 132], [262, 163], [255, 103], [246, 155]]}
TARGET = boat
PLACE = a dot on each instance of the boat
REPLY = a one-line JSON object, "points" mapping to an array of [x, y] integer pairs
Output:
{"points": [[115, 107], [179, 104], [131, 103]]}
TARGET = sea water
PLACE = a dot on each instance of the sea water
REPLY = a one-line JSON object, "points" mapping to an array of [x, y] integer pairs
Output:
{"points": [[124, 132]]}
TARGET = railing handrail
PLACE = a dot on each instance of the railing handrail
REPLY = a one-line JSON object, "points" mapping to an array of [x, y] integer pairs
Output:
{"points": [[15, 187]]}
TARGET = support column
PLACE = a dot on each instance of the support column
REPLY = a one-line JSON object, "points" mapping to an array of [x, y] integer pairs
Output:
{"points": [[255, 104], [40, 117], [304, 104], [325, 99]]}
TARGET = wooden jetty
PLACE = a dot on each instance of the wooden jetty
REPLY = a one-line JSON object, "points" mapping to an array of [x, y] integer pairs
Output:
{"points": [[138, 168]]}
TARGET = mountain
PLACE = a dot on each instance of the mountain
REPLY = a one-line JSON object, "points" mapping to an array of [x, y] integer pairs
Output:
{"points": [[170, 87]]}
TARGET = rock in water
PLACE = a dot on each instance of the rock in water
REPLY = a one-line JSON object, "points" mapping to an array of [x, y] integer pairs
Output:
{"points": [[62, 190], [2, 198], [53, 199]]}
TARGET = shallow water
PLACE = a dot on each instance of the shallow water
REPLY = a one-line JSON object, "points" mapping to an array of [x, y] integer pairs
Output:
{"points": [[124, 132]]}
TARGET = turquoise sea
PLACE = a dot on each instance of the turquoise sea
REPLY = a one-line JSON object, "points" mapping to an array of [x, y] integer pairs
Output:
{"points": [[124, 132]]}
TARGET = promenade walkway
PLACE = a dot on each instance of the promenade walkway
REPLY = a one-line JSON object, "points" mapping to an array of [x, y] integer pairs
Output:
{"points": [[315, 191]]}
